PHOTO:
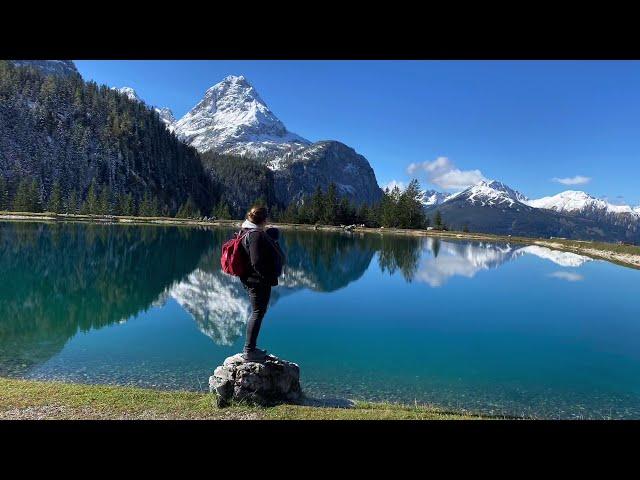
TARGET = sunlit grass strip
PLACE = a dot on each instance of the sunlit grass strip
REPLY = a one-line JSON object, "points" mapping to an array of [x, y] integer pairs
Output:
{"points": [[29, 399]]}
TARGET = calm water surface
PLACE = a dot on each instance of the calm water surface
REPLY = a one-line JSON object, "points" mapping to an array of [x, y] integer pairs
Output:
{"points": [[488, 327]]}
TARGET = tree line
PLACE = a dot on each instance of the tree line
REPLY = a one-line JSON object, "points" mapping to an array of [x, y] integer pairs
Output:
{"points": [[396, 209]]}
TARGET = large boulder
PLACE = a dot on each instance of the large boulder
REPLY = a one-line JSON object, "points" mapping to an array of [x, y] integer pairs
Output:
{"points": [[264, 383]]}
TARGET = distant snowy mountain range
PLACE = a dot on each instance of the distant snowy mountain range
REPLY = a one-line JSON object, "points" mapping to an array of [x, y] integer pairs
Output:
{"points": [[495, 193], [233, 119], [493, 207]]}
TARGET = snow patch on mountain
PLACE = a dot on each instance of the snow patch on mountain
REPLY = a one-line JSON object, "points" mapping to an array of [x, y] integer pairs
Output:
{"points": [[490, 193], [432, 197], [232, 118], [166, 115], [129, 92], [574, 201]]}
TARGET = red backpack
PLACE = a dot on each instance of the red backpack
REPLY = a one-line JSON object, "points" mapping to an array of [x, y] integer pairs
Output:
{"points": [[234, 259]]}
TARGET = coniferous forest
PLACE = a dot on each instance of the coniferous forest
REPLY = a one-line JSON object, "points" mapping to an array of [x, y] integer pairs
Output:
{"points": [[67, 145], [70, 146]]}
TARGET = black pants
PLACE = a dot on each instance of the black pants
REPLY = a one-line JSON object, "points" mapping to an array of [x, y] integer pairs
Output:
{"points": [[259, 295]]}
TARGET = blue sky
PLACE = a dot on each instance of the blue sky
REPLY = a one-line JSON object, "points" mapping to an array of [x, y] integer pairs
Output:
{"points": [[525, 123]]}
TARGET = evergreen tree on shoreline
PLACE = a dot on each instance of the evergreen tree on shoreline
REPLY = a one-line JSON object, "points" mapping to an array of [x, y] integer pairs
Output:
{"points": [[55, 199]]}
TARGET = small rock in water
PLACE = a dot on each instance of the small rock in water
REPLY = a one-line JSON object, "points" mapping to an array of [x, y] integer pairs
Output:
{"points": [[264, 383]]}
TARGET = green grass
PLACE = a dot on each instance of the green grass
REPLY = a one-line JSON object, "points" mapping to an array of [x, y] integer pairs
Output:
{"points": [[28, 399]]}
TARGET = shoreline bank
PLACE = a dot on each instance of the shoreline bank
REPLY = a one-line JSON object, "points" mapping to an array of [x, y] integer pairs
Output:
{"points": [[49, 400], [624, 255]]}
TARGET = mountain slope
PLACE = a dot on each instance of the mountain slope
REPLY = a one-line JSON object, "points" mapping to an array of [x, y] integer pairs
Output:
{"points": [[232, 119], [429, 198], [493, 207], [321, 164], [165, 114], [57, 129], [62, 68]]}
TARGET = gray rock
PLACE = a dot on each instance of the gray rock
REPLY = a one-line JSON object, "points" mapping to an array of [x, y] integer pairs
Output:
{"points": [[264, 383]]}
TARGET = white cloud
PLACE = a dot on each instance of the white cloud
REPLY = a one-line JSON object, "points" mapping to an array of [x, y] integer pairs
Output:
{"points": [[568, 276], [577, 180], [443, 173], [394, 183]]}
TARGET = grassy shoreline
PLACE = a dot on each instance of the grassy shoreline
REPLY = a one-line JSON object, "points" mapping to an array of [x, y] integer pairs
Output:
{"points": [[624, 255], [44, 400]]}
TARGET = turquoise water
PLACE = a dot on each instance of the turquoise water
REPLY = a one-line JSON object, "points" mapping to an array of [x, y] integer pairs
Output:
{"points": [[497, 328]]}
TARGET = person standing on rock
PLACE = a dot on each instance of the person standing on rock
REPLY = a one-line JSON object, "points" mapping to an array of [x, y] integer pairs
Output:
{"points": [[266, 259]]}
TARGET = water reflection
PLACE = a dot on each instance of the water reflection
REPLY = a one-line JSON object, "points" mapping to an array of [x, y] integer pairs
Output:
{"points": [[61, 279], [465, 259], [316, 261]]}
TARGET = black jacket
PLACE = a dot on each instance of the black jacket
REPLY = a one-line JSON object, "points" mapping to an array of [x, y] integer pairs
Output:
{"points": [[264, 258]]}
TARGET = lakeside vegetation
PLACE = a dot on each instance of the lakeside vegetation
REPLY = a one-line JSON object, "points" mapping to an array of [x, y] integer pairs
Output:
{"points": [[28, 399], [622, 254], [396, 209]]}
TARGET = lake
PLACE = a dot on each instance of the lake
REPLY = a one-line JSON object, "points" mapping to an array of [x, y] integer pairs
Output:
{"points": [[487, 327]]}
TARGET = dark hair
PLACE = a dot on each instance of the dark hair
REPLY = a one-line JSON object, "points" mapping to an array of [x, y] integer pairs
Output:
{"points": [[257, 214]]}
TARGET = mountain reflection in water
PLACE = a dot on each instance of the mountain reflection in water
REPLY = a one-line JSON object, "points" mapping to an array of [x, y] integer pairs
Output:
{"points": [[58, 279]]}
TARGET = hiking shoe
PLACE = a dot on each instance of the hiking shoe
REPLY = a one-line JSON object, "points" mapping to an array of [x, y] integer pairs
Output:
{"points": [[255, 355]]}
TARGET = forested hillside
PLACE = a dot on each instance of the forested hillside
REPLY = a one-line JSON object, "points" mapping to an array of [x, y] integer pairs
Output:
{"points": [[241, 182], [72, 146]]}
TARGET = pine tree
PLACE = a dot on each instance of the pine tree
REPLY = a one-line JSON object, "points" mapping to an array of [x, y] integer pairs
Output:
{"points": [[21, 201], [55, 199], [290, 214], [409, 207], [154, 206], [72, 202], [189, 209], [145, 207], [90, 206], [437, 221], [222, 211], [388, 216], [4, 194], [103, 206], [316, 207], [35, 200], [345, 214], [125, 205], [364, 214], [330, 206]]}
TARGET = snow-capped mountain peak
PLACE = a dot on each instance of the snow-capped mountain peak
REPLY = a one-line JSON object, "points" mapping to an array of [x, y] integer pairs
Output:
{"points": [[432, 197], [232, 118], [572, 201], [166, 115], [490, 193], [129, 92]]}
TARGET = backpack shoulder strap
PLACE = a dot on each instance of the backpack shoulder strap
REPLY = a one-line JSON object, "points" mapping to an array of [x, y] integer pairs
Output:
{"points": [[244, 238]]}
